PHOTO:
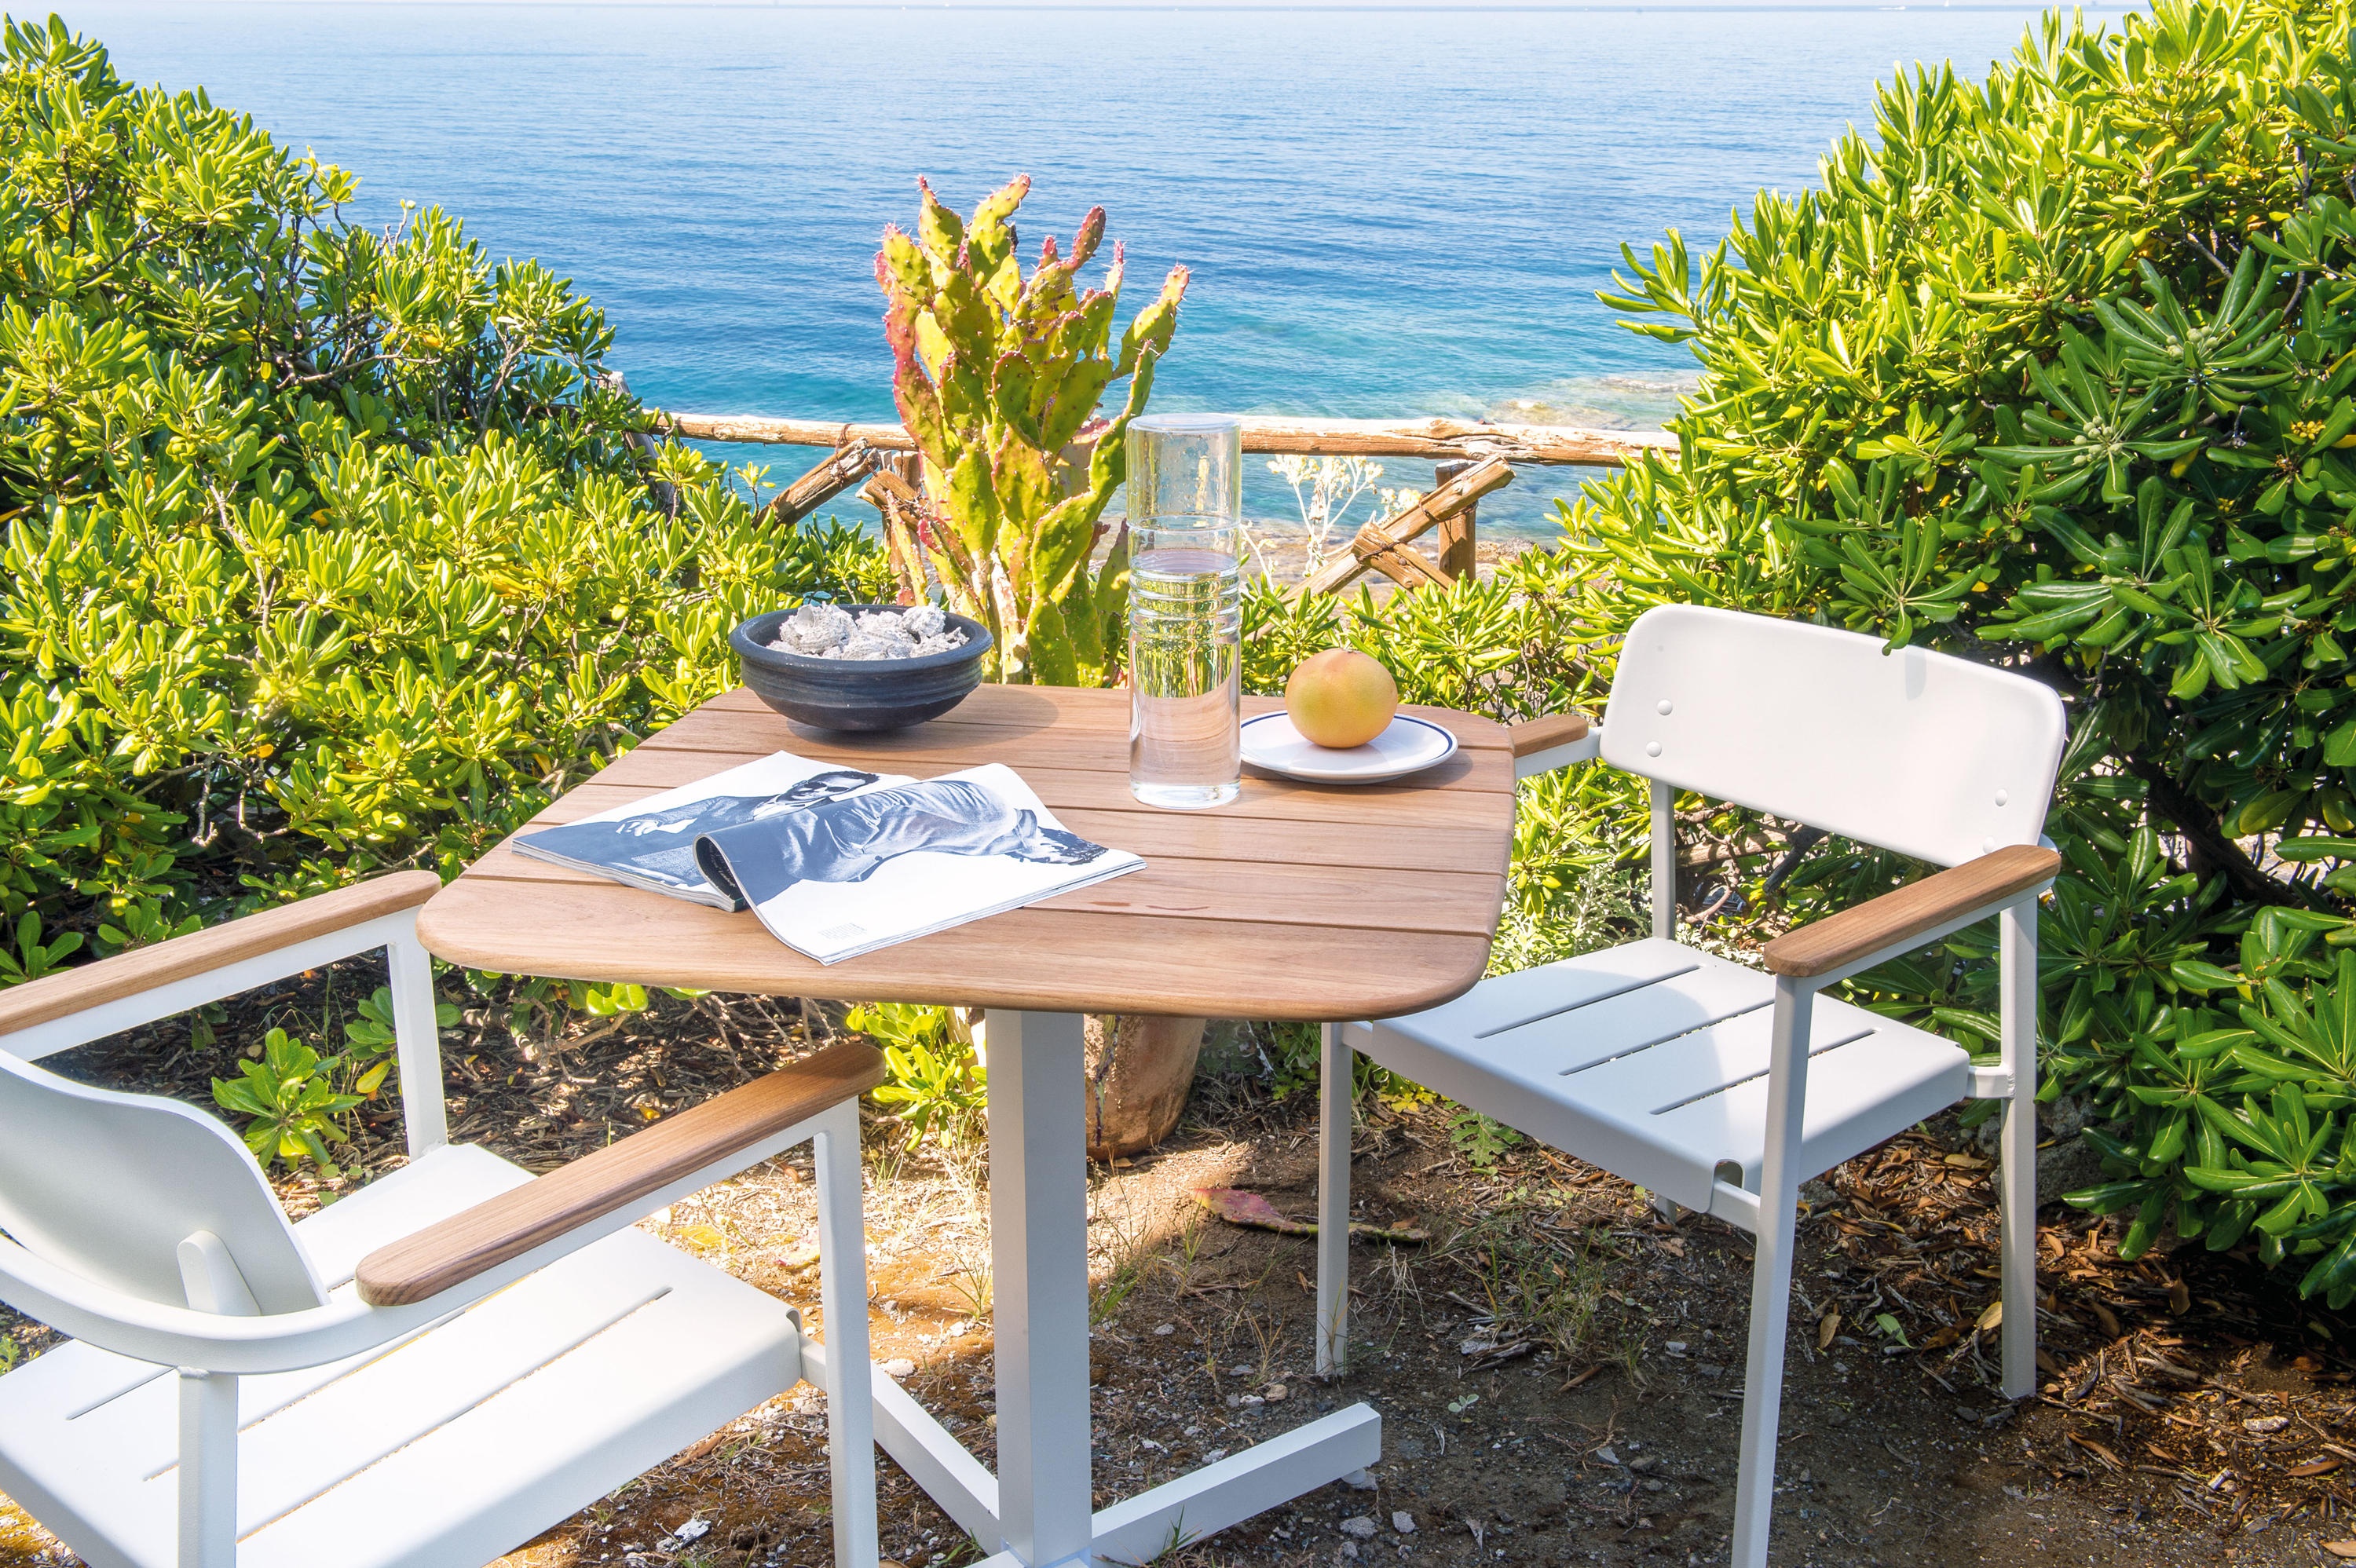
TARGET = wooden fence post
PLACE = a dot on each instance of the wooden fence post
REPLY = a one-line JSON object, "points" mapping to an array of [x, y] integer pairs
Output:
{"points": [[1456, 533]]}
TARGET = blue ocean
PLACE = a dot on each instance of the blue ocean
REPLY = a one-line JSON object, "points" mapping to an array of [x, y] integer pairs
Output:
{"points": [[1386, 213]]}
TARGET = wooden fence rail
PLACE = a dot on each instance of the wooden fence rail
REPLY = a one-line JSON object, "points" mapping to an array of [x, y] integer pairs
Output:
{"points": [[1439, 439], [1471, 460]]}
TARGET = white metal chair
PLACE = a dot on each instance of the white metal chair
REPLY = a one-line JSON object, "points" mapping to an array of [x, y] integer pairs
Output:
{"points": [[1722, 1087], [430, 1371]]}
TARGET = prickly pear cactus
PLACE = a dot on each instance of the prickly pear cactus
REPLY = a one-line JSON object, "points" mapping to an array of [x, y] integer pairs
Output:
{"points": [[997, 378]]}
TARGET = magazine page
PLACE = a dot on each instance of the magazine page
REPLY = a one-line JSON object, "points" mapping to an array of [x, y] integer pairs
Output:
{"points": [[651, 842], [853, 875]]}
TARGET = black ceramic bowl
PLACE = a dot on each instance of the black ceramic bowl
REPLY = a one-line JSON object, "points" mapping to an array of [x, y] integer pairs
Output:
{"points": [[858, 694]]}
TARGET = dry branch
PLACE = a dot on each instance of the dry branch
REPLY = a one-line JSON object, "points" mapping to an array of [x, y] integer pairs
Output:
{"points": [[1380, 545], [836, 472]]}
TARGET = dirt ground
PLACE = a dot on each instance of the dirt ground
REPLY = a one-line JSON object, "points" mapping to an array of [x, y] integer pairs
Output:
{"points": [[1557, 1369]]}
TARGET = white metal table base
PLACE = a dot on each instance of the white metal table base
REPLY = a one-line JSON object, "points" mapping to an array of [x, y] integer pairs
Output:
{"points": [[1037, 1511]]}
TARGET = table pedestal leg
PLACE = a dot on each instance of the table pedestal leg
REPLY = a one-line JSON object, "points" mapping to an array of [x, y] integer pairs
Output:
{"points": [[1039, 1261], [1035, 1513]]}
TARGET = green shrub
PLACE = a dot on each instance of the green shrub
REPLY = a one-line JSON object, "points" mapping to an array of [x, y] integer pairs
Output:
{"points": [[939, 1082], [2056, 371], [326, 550]]}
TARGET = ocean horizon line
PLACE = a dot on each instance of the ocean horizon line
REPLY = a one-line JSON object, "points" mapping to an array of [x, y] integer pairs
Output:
{"points": [[1344, 7]]}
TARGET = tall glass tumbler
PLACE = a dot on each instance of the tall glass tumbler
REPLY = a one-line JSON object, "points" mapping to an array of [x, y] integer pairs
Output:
{"points": [[1185, 609]]}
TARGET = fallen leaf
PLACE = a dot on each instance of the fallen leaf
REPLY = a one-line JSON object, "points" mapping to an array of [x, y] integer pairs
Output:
{"points": [[2180, 1296], [2341, 1548], [2323, 1466], [1967, 1161], [1828, 1326], [2104, 1454], [2047, 1364], [1250, 1209], [1992, 1318], [2108, 1319], [1673, 1245], [1942, 1339]]}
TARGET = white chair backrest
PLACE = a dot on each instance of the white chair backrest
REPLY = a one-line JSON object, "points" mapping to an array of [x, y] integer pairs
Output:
{"points": [[1917, 752], [109, 1186]]}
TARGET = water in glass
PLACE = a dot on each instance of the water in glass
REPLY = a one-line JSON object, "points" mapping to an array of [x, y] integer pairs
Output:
{"points": [[1185, 609], [1186, 635]]}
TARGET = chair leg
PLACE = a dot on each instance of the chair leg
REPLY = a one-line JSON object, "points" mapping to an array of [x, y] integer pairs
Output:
{"points": [[207, 1469], [1336, 1086], [2017, 927], [843, 1295], [409, 976], [1771, 1277]]}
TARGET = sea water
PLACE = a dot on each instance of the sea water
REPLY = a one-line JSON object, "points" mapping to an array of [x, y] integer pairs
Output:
{"points": [[1387, 213], [1186, 642]]}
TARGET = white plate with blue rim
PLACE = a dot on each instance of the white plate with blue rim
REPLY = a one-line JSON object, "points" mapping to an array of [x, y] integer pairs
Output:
{"points": [[1408, 746]]}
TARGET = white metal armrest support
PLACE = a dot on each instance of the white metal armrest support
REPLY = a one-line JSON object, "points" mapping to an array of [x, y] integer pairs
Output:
{"points": [[1555, 741]]}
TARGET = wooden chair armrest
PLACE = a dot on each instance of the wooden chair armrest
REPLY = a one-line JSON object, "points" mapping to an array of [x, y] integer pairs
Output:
{"points": [[453, 1251], [1532, 736], [1840, 939], [265, 930]]}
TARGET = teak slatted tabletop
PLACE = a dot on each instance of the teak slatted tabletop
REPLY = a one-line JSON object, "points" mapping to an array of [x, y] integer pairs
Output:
{"points": [[1296, 900]]}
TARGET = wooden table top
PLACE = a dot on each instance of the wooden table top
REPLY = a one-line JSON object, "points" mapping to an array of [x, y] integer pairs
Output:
{"points": [[1294, 901]]}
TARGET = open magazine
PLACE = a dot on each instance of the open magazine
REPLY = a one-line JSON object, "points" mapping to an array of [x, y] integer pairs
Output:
{"points": [[651, 842], [885, 864]]}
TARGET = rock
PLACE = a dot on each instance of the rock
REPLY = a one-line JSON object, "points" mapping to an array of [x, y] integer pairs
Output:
{"points": [[1404, 1523], [898, 1367], [1166, 1328], [1274, 1391], [825, 630], [814, 629], [2266, 1424], [1646, 1466], [1359, 1528], [1604, 1455], [1139, 1072], [2065, 1166], [694, 1529], [1359, 1480]]}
